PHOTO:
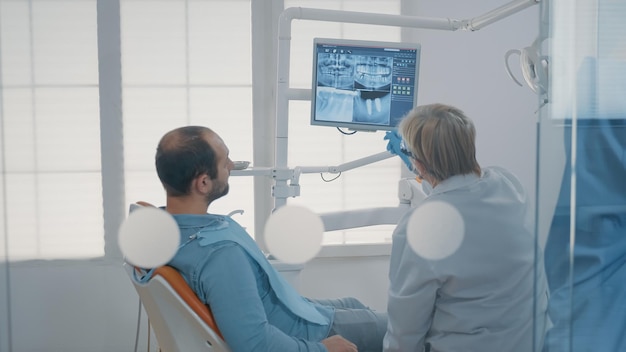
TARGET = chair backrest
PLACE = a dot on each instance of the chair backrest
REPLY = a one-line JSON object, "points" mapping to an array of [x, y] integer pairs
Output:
{"points": [[181, 322]]}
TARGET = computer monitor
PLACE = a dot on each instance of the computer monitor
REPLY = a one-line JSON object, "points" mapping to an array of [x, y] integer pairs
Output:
{"points": [[363, 85]]}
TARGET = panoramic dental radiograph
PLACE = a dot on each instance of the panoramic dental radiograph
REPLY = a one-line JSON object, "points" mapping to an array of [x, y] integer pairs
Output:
{"points": [[354, 87]]}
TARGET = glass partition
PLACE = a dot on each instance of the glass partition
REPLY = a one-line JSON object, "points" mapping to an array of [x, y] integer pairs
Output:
{"points": [[4, 267], [582, 175]]}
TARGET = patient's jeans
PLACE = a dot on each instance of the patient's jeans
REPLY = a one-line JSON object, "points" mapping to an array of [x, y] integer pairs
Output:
{"points": [[357, 323]]}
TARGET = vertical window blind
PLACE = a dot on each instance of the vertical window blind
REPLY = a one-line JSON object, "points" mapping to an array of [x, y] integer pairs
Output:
{"points": [[50, 146]]}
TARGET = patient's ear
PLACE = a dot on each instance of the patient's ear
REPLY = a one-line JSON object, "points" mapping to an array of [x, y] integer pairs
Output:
{"points": [[202, 184]]}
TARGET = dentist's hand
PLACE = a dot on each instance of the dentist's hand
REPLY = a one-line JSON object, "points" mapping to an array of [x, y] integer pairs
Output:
{"points": [[393, 146]]}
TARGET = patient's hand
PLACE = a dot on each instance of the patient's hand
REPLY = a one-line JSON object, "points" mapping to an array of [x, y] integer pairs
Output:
{"points": [[337, 343]]}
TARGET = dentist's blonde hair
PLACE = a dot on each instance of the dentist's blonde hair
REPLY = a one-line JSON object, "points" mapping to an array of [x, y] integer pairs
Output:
{"points": [[442, 138]]}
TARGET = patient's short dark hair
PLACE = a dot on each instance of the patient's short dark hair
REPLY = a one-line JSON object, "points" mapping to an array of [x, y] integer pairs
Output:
{"points": [[182, 155]]}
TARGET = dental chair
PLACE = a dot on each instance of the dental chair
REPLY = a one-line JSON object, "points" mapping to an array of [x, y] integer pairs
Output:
{"points": [[181, 322]]}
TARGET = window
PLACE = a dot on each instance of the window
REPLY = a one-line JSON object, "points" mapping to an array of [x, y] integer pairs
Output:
{"points": [[186, 63], [594, 60], [51, 179], [183, 62]]}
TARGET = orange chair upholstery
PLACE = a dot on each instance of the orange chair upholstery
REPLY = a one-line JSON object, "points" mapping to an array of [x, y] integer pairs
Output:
{"points": [[181, 322], [173, 277]]}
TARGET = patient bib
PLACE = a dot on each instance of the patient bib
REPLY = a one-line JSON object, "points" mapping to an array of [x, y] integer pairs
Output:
{"points": [[229, 230]]}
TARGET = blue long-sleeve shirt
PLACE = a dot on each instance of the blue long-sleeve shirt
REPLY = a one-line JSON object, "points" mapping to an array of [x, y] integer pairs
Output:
{"points": [[587, 277], [246, 308]]}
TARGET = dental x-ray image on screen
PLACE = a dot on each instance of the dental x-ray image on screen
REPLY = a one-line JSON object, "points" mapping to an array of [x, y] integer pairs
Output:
{"points": [[363, 85]]}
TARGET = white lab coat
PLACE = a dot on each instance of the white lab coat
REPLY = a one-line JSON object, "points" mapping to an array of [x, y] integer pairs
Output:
{"points": [[480, 298]]}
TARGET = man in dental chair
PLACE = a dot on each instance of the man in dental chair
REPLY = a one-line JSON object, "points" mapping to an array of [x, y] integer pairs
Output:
{"points": [[254, 307]]}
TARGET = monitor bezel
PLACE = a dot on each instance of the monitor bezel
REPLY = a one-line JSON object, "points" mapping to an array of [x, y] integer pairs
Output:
{"points": [[360, 126]]}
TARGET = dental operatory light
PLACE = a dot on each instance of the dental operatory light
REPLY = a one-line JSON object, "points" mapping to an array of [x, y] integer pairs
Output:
{"points": [[533, 65]]}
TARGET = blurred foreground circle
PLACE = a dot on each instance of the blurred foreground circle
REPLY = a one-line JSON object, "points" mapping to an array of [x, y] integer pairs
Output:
{"points": [[435, 230], [149, 237], [293, 234]]}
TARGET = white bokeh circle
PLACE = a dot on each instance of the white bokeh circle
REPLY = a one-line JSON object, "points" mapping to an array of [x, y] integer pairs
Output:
{"points": [[149, 237], [435, 230], [293, 234]]}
